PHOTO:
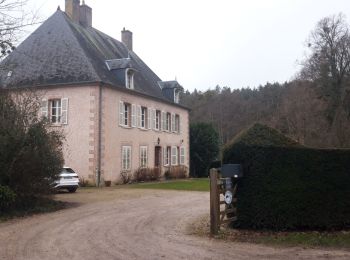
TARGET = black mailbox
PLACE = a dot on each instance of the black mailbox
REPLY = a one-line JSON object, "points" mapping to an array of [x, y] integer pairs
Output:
{"points": [[231, 171]]}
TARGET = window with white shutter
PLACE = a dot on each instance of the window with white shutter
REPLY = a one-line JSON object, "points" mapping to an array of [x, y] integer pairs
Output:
{"points": [[133, 116], [177, 123], [121, 113], [126, 158], [182, 155], [174, 155], [44, 108], [154, 119], [163, 120], [149, 118], [55, 111], [143, 156], [172, 123], [64, 111], [166, 154], [139, 116]]}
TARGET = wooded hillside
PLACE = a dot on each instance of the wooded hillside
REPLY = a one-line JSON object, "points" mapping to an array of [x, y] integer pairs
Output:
{"points": [[313, 109]]}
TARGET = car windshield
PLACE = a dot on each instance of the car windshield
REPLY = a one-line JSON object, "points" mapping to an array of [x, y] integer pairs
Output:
{"points": [[68, 170]]}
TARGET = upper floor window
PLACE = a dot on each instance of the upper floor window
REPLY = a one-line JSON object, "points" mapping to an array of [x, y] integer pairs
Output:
{"points": [[157, 120], [56, 110], [167, 122], [129, 79], [124, 114], [143, 117], [177, 124]]}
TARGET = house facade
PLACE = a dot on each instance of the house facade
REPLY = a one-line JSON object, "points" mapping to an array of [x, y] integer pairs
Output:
{"points": [[117, 115]]}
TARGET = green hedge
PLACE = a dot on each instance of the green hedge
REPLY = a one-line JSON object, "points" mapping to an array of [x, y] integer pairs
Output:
{"points": [[290, 187], [7, 198]]}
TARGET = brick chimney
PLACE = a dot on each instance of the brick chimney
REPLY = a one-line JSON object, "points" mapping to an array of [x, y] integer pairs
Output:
{"points": [[85, 15], [127, 39], [73, 9]]}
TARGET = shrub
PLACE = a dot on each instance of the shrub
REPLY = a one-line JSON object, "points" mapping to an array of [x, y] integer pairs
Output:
{"points": [[176, 172], [126, 177], [204, 148], [287, 186], [31, 154], [7, 198], [147, 174]]}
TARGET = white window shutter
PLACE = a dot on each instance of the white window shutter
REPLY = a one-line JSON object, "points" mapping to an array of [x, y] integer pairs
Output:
{"points": [[44, 108], [163, 121], [182, 155], [154, 119], [149, 119], [164, 155], [179, 125], [172, 123], [139, 116], [121, 113], [64, 111], [133, 116]]}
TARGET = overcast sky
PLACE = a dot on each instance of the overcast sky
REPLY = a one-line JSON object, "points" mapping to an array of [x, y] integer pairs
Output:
{"points": [[204, 43]]}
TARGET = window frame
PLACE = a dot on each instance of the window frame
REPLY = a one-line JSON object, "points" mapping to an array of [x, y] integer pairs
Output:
{"points": [[126, 158], [174, 156], [143, 156], [167, 155], [129, 79], [182, 155], [58, 111], [157, 120], [143, 117]]}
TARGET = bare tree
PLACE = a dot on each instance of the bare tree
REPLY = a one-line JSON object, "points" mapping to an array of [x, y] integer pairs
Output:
{"points": [[328, 64], [13, 19]]}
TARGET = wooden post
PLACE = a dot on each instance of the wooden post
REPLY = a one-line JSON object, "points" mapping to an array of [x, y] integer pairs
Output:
{"points": [[214, 202]]}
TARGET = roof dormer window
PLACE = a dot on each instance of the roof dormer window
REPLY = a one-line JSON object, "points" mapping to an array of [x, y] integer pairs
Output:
{"points": [[176, 96], [129, 79]]}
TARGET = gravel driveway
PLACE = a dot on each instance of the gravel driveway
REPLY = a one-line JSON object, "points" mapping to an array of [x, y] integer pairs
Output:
{"points": [[131, 224]]}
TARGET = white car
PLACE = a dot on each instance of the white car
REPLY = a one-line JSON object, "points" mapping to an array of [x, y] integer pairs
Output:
{"points": [[68, 179]]}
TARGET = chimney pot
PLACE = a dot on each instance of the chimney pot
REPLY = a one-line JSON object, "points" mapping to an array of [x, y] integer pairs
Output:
{"points": [[127, 38]]}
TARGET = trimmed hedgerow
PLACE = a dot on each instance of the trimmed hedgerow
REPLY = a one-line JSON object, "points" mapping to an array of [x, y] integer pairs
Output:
{"points": [[287, 186]]}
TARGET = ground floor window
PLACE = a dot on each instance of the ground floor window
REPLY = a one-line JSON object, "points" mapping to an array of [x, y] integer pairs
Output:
{"points": [[182, 155], [174, 156], [167, 152], [143, 156], [126, 158]]}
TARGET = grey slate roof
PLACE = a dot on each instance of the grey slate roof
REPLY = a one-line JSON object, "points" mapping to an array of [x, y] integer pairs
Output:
{"points": [[63, 52], [119, 64]]}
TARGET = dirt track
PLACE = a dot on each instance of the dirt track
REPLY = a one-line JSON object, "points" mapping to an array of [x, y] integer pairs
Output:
{"points": [[131, 224]]}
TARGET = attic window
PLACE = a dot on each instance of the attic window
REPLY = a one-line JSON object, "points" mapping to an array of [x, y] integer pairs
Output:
{"points": [[129, 79], [176, 96]]}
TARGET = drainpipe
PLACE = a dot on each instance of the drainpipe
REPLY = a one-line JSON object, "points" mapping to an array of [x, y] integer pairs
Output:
{"points": [[99, 143]]}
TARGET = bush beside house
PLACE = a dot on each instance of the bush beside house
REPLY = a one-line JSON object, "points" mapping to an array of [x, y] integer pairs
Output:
{"points": [[31, 156], [287, 186]]}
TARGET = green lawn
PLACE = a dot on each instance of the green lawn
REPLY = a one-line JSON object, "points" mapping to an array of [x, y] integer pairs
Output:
{"points": [[340, 239], [189, 185]]}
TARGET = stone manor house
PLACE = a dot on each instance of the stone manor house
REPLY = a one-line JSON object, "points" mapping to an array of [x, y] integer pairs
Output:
{"points": [[116, 113]]}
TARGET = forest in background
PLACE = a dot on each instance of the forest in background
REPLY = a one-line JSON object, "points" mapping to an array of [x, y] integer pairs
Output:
{"points": [[313, 109]]}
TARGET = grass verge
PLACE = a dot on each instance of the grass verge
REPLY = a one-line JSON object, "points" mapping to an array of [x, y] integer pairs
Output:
{"points": [[43, 205], [187, 185], [310, 239]]}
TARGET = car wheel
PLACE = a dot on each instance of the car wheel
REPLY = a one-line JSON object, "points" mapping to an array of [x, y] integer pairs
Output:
{"points": [[72, 190]]}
